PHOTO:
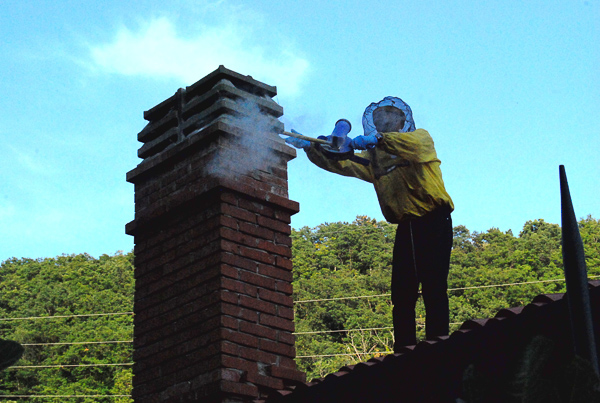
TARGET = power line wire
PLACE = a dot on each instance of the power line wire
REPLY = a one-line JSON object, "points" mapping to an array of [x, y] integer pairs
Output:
{"points": [[339, 355], [450, 289], [344, 330], [69, 365], [77, 342], [420, 323], [60, 396], [68, 316], [359, 353], [506, 285], [340, 298]]}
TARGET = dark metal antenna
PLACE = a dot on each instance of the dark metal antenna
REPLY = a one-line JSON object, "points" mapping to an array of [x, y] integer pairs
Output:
{"points": [[578, 295]]}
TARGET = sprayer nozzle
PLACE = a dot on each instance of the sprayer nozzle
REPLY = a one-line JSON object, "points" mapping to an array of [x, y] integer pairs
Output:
{"points": [[342, 128]]}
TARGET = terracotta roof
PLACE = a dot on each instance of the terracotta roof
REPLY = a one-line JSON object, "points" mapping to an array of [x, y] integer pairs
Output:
{"points": [[432, 371]]}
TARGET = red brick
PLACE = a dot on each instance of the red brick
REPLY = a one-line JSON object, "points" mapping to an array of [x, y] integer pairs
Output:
{"points": [[269, 382], [283, 262], [229, 322], [172, 390], [239, 312], [276, 322], [178, 225], [229, 222], [196, 362], [178, 286], [288, 373], [239, 338], [164, 313], [230, 374], [234, 362], [229, 271], [258, 305], [244, 188], [151, 344], [285, 287], [238, 213], [230, 247], [231, 297], [193, 344], [275, 272], [256, 279], [237, 388], [258, 330], [279, 298], [239, 261], [257, 230], [257, 254], [283, 202], [283, 216], [274, 225], [274, 180], [176, 294], [230, 348], [199, 361], [173, 297], [238, 286], [263, 187], [283, 239], [286, 313], [200, 310], [169, 332], [229, 198], [273, 248], [207, 227], [174, 259], [287, 362], [250, 253], [255, 355], [143, 189], [256, 207], [193, 267], [286, 337], [280, 172], [277, 348], [239, 237], [144, 376]]}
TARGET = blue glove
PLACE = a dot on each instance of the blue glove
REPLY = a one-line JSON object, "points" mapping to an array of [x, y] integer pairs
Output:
{"points": [[364, 142], [298, 143]]}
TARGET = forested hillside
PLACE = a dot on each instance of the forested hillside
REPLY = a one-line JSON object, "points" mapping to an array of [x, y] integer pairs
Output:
{"points": [[338, 266], [72, 347], [73, 313]]}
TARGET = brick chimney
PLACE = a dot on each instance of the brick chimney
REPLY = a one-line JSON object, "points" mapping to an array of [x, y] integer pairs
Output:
{"points": [[213, 307]]}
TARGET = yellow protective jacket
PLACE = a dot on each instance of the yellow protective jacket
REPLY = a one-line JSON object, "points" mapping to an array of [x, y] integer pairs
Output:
{"points": [[405, 171]]}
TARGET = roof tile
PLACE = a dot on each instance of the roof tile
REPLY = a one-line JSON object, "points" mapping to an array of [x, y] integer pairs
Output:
{"points": [[460, 338]]}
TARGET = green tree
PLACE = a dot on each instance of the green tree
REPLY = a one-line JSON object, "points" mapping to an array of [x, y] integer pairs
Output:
{"points": [[334, 261], [489, 271], [54, 296]]}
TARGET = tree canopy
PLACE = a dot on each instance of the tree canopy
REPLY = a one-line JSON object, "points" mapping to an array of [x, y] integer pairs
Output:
{"points": [[73, 313], [337, 266], [49, 303]]}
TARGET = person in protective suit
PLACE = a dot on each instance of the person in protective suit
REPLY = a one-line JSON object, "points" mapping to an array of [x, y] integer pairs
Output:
{"points": [[405, 170]]}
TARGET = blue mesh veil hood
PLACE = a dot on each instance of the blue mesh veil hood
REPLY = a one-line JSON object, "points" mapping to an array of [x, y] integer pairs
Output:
{"points": [[367, 120]]}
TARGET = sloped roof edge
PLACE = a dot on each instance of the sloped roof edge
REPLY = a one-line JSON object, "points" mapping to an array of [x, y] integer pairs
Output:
{"points": [[433, 370]]}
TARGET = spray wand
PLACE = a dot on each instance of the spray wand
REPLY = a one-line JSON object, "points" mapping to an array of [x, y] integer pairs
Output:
{"points": [[337, 146], [302, 137]]}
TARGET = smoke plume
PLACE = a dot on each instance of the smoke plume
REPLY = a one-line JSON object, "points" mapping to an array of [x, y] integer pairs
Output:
{"points": [[249, 152]]}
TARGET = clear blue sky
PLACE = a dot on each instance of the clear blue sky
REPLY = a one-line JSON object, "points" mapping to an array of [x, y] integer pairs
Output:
{"points": [[508, 90]]}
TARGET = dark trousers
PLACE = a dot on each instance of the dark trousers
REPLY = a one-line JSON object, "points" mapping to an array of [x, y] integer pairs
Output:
{"points": [[421, 256]]}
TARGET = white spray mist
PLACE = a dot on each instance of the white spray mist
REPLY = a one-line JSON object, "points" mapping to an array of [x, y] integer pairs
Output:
{"points": [[248, 152]]}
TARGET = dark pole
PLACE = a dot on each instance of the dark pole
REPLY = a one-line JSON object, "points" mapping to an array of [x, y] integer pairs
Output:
{"points": [[576, 277]]}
